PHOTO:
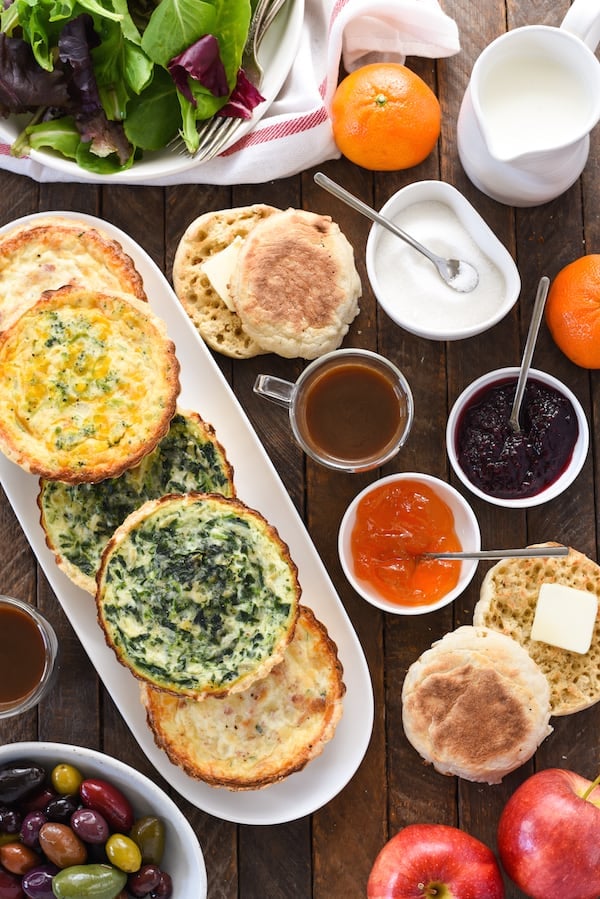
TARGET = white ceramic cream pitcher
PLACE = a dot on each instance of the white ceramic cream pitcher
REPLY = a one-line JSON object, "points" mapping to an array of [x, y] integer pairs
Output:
{"points": [[533, 98]]}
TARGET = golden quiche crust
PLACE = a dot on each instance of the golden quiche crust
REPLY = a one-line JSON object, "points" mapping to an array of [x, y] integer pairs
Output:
{"points": [[88, 385], [53, 251], [258, 737]]}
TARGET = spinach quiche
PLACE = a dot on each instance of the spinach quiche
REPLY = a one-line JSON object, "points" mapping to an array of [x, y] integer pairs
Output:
{"points": [[263, 734], [79, 519], [88, 385], [197, 594]]}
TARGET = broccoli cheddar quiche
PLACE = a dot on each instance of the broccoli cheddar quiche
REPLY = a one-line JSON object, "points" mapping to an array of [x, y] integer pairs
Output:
{"points": [[88, 385], [79, 519], [197, 594], [257, 737]]}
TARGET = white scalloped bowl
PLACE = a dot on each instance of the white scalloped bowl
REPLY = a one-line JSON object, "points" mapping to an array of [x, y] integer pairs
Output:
{"points": [[467, 530], [183, 859]]}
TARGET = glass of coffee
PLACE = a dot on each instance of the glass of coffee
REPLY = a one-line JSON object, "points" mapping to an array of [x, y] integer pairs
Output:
{"points": [[350, 409], [28, 656]]}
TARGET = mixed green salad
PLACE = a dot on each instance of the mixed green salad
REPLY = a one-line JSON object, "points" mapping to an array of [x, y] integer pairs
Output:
{"points": [[106, 80]]}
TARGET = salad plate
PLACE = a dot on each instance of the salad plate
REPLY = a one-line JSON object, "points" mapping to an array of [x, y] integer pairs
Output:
{"points": [[276, 55], [205, 390]]}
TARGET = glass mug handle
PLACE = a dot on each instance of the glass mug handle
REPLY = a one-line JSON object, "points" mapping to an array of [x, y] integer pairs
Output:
{"points": [[274, 389]]}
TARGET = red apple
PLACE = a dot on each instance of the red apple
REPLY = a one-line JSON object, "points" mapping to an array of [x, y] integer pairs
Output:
{"points": [[427, 860], [549, 836]]}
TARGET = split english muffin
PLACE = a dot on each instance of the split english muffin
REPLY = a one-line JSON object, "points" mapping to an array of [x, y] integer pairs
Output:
{"points": [[507, 603], [79, 519], [88, 385], [203, 240], [53, 251], [197, 594], [475, 705], [257, 279], [257, 737]]}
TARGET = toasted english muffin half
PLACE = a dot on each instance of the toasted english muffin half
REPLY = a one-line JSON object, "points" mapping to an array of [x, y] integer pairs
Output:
{"points": [[197, 594], [295, 286], [88, 385], [54, 251], [475, 705], [507, 603], [261, 735], [211, 233], [79, 519]]}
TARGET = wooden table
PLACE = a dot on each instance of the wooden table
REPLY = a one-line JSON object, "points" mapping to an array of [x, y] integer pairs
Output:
{"points": [[330, 853]]}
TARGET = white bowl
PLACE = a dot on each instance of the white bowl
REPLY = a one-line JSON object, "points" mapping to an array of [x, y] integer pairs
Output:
{"points": [[556, 487], [183, 859], [467, 530], [408, 286]]}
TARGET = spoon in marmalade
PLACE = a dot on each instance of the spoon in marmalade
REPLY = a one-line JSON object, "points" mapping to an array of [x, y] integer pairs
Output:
{"points": [[458, 274]]}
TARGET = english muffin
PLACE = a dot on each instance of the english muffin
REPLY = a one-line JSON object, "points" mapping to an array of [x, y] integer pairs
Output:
{"points": [[88, 385], [507, 603], [211, 233], [265, 733], [197, 594], [295, 286], [54, 251], [475, 705], [79, 519]]}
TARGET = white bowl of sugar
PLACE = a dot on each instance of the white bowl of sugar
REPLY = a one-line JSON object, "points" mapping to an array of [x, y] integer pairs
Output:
{"points": [[408, 286]]}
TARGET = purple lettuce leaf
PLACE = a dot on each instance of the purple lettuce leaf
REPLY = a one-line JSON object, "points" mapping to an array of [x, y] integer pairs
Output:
{"points": [[24, 84], [244, 98], [75, 44], [201, 62]]}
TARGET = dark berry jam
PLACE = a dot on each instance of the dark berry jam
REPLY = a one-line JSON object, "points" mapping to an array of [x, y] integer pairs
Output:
{"points": [[507, 465]]}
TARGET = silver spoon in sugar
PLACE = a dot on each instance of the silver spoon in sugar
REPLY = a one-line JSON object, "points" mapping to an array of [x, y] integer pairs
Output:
{"points": [[458, 274]]}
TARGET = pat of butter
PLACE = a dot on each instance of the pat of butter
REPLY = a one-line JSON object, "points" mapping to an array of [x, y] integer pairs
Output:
{"points": [[219, 268], [565, 617]]}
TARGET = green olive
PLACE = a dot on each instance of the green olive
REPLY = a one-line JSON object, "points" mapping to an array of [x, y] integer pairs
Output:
{"points": [[123, 852], [66, 779], [88, 882], [149, 834]]}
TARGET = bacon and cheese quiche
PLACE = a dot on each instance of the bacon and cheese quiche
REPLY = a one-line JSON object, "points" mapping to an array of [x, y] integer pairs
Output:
{"points": [[197, 594], [79, 519], [265, 733], [50, 252], [88, 385]]}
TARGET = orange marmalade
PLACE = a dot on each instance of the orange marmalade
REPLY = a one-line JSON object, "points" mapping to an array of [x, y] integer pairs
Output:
{"points": [[395, 524]]}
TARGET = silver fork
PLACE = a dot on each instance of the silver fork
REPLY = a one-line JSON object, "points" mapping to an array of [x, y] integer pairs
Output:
{"points": [[218, 130]]}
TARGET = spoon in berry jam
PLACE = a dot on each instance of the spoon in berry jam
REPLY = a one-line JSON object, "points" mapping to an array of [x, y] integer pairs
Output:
{"points": [[534, 327]]}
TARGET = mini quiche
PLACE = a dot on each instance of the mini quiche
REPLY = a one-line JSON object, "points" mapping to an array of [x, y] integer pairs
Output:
{"points": [[88, 385], [197, 594], [51, 251], [257, 737], [79, 519]]}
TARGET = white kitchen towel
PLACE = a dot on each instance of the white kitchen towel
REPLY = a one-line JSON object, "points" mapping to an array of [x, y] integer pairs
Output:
{"points": [[295, 133]]}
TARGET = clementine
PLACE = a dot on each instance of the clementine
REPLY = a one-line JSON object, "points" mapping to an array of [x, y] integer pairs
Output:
{"points": [[385, 117], [573, 310]]}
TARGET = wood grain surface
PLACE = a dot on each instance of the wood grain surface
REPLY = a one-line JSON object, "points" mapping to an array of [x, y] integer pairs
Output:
{"points": [[329, 854]]}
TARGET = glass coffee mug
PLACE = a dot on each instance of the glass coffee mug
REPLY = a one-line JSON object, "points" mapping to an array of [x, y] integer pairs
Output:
{"points": [[28, 656], [350, 409]]}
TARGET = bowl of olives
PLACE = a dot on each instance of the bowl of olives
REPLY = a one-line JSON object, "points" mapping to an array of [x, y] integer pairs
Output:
{"points": [[88, 825]]}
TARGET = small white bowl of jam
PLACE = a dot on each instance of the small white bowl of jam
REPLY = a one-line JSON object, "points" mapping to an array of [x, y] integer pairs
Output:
{"points": [[517, 470], [28, 656], [408, 286], [388, 527]]}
